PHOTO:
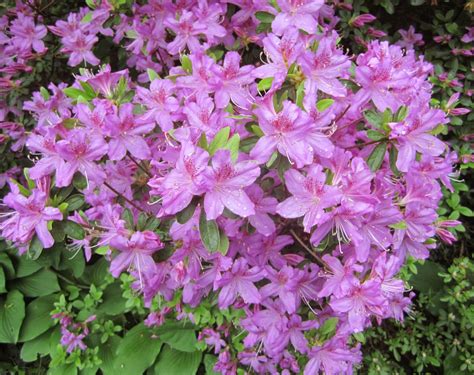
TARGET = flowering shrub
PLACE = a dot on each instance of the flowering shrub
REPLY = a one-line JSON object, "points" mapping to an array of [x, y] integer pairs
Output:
{"points": [[234, 166]]}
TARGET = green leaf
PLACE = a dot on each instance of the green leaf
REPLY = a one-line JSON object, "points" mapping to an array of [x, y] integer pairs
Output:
{"points": [[465, 211], [174, 362], [88, 90], [186, 64], [223, 243], [74, 93], [39, 284], [7, 264], [184, 215], [44, 93], [178, 336], [400, 225], [75, 202], [427, 277], [142, 219], [26, 267], [324, 104], [203, 142], [393, 156], [39, 345], [401, 113], [35, 249], [74, 230], [112, 301], [73, 261], [209, 363], [375, 135], [265, 17], [209, 232], [2, 281], [265, 84], [87, 18], [107, 354], [328, 329], [219, 141], [152, 75], [127, 215], [79, 181], [38, 319], [300, 95], [233, 146], [376, 157], [12, 312], [137, 351], [373, 118]]}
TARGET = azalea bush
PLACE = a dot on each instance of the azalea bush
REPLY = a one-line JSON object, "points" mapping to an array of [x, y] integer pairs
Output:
{"points": [[214, 186]]}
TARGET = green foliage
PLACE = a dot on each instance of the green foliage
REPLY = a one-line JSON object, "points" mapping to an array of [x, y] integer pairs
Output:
{"points": [[437, 336]]}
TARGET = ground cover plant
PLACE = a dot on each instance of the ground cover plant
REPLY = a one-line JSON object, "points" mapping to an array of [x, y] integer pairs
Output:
{"points": [[234, 187]]}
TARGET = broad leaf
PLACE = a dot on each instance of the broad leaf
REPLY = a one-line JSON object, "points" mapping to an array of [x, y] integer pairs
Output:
{"points": [[174, 362], [178, 336], [137, 351], [376, 157], [220, 140], [74, 230], [38, 318], [39, 284], [209, 232], [12, 312], [39, 345]]}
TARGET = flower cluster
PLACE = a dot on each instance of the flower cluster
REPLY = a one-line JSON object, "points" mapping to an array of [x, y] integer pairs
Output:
{"points": [[293, 189]]}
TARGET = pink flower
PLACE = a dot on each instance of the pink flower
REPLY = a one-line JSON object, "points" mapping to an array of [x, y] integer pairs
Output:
{"points": [[225, 185]]}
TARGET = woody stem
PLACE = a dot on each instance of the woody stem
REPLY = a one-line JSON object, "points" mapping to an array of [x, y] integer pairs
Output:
{"points": [[316, 256], [122, 196]]}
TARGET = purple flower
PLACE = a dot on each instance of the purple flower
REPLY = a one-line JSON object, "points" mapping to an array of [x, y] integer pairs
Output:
{"points": [[341, 279], [324, 68], [281, 54], [283, 131], [363, 300], [232, 81], [239, 281], [298, 13], [263, 206], [410, 39], [225, 185], [187, 30], [310, 196], [80, 151], [79, 45], [135, 252], [332, 358], [126, 135], [105, 80], [413, 136], [283, 283], [361, 20], [27, 35], [160, 103], [179, 186], [50, 161], [30, 216]]}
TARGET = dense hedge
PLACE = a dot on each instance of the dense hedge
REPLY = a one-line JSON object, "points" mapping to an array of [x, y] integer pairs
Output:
{"points": [[234, 187]]}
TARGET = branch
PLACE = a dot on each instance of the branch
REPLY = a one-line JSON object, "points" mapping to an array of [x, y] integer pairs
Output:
{"points": [[316, 256], [124, 197]]}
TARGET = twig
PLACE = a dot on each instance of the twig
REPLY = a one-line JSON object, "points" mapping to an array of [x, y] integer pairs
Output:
{"points": [[124, 197], [164, 67], [366, 144], [138, 165], [316, 256]]}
